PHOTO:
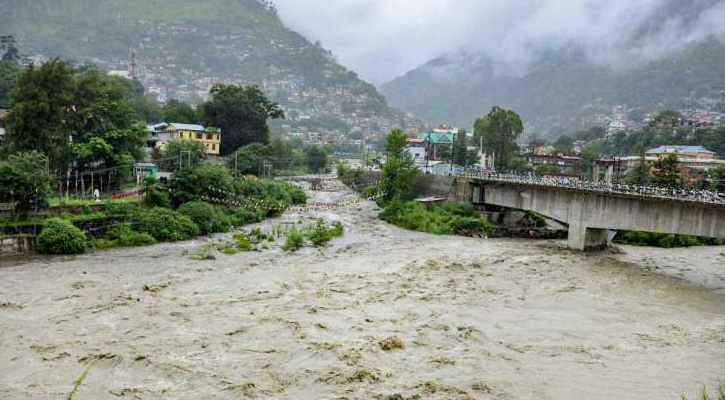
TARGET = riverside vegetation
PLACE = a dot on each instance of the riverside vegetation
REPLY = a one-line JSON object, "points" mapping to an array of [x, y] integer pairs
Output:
{"points": [[179, 216], [392, 194]]}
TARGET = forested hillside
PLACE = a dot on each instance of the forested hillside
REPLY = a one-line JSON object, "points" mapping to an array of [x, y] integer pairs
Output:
{"points": [[183, 47], [674, 59], [561, 92]]}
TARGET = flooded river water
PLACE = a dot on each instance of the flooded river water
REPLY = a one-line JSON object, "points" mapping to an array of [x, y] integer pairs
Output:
{"points": [[476, 318]]}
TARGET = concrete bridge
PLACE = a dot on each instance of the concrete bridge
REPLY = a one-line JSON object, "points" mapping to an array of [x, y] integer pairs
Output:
{"points": [[594, 216]]}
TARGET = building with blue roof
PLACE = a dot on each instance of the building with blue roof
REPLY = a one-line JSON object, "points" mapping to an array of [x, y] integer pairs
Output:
{"points": [[691, 152]]}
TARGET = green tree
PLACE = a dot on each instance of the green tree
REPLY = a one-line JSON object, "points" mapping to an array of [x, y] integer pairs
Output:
{"points": [[188, 152], [41, 106], [498, 131], [179, 112], [249, 159], [667, 172], [283, 155], [9, 73], [639, 175], [564, 145], [23, 180], [190, 184], [399, 170], [585, 166], [242, 114], [146, 107], [78, 118], [316, 159], [718, 177]]}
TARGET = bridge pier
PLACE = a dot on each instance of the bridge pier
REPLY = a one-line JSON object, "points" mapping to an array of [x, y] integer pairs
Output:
{"points": [[588, 239], [581, 237]]}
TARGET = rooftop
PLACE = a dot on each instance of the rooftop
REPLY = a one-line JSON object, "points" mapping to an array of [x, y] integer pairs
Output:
{"points": [[680, 149], [187, 127]]}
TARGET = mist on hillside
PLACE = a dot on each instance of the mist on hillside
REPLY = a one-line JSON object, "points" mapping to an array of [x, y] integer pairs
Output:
{"points": [[383, 39]]}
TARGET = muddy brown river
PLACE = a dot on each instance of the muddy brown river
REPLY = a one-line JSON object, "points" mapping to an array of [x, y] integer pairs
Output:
{"points": [[473, 318]]}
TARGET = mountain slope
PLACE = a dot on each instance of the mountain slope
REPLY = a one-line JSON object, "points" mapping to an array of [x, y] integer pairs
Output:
{"points": [[647, 69], [561, 90], [185, 46]]}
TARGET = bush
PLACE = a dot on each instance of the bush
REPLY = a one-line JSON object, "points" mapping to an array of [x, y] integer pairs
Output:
{"points": [[297, 195], [244, 243], [295, 241], [61, 237], [665, 240], [369, 192], [123, 235], [190, 184], [156, 197], [245, 215], [446, 219], [320, 234], [164, 224], [208, 217]]}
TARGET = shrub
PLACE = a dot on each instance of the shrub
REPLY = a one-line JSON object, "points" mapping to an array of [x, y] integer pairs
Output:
{"points": [[369, 192], [295, 241], [61, 237], [720, 395], [164, 224], [123, 235], [103, 244], [243, 242], [320, 234], [244, 216], [342, 168], [297, 195], [446, 219], [121, 210], [155, 197], [189, 184], [665, 240], [209, 218]]}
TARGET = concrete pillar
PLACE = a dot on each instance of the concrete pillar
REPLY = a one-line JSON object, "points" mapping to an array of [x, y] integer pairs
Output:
{"points": [[610, 174], [596, 173], [580, 236]]}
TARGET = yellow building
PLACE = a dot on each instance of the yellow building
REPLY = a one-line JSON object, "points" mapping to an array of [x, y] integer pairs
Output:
{"points": [[210, 137]]}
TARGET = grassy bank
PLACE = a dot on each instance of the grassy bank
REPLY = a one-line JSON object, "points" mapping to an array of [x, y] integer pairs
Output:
{"points": [[446, 219]]}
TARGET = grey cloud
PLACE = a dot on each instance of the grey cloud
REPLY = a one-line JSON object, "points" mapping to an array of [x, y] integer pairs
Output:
{"points": [[382, 39]]}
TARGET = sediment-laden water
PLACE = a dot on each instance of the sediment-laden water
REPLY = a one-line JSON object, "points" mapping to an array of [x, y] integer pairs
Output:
{"points": [[477, 318]]}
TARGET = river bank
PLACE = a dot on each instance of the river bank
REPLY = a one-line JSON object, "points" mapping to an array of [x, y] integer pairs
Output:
{"points": [[477, 318]]}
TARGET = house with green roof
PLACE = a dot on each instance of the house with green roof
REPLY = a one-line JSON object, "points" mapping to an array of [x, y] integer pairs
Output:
{"points": [[440, 142]]}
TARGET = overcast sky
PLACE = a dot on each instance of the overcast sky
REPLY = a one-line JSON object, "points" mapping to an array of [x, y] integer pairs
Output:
{"points": [[383, 39]]}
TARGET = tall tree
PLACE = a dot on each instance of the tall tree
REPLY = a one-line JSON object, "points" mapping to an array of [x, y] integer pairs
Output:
{"points": [[41, 107], [667, 172], [9, 73], [564, 145], [23, 180], [242, 114], [180, 112], [316, 159], [718, 177], [639, 175], [498, 131], [77, 118], [399, 170]]}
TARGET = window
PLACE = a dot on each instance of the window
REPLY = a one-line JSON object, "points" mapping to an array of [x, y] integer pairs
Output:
{"points": [[209, 136], [199, 136], [213, 147]]}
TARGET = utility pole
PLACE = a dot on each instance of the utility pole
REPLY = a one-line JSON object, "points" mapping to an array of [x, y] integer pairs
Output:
{"points": [[236, 163]]}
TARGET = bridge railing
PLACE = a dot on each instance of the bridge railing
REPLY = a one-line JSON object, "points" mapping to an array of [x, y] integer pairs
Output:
{"points": [[694, 195]]}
